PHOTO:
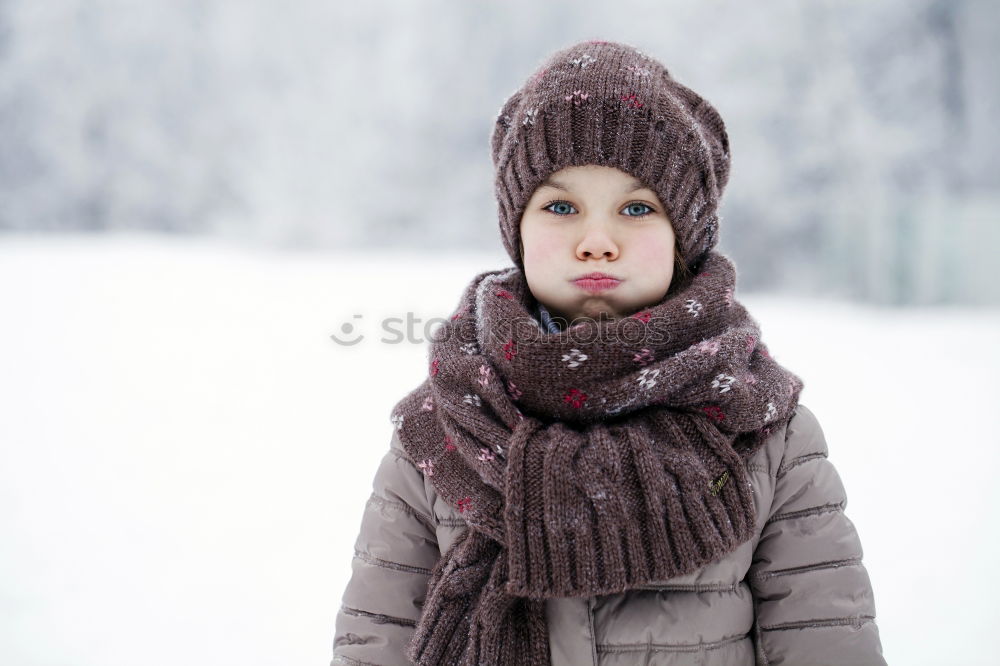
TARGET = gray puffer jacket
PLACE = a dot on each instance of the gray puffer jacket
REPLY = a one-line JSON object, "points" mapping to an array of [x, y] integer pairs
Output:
{"points": [[797, 594]]}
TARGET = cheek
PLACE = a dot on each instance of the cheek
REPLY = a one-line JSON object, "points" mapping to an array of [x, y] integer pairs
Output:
{"points": [[540, 246], [655, 251]]}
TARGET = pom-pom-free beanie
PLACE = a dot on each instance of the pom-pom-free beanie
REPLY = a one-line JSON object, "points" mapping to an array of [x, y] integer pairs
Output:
{"points": [[608, 103]]}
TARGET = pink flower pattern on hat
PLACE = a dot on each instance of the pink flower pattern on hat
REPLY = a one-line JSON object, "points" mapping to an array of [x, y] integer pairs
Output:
{"points": [[632, 101], [639, 71]]}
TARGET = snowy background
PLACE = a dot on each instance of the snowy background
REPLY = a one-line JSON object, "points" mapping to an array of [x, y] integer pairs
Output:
{"points": [[195, 195], [186, 453]]}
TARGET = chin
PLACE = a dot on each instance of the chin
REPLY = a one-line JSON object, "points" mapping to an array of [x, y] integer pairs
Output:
{"points": [[600, 313]]}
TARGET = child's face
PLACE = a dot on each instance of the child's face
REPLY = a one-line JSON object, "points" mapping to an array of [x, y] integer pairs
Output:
{"points": [[598, 223]]}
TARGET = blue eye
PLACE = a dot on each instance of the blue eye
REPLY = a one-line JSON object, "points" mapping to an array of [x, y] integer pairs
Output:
{"points": [[632, 206], [637, 203], [557, 203]]}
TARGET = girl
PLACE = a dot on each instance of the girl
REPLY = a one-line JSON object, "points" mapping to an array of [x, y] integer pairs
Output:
{"points": [[605, 465]]}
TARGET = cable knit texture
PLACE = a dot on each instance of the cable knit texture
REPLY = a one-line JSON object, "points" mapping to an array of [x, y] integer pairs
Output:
{"points": [[588, 461]]}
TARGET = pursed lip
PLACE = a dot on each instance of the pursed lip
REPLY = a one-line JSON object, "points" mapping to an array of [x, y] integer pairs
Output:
{"points": [[596, 282], [596, 276]]}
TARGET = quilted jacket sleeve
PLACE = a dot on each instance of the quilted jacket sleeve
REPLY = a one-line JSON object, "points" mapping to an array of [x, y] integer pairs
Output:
{"points": [[812, 594], [394, 553]]}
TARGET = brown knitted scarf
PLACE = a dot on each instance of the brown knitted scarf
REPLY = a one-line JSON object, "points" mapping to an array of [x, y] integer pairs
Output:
{"points": [[585, 462]]}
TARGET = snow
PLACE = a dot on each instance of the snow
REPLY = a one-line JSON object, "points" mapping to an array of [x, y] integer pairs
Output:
{"points": [[185, 453]]}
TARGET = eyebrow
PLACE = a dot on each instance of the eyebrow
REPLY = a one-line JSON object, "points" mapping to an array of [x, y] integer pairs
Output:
{"points": [[551, 182]]}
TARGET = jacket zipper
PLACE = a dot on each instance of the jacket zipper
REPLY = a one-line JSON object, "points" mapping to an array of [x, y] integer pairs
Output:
{"points": [[593, 634]]}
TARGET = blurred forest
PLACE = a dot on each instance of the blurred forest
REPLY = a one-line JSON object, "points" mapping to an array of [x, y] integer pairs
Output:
{"points": [[863, 133]]}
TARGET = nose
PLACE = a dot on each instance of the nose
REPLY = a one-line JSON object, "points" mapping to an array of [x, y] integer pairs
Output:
{"points": [[597, 242]]}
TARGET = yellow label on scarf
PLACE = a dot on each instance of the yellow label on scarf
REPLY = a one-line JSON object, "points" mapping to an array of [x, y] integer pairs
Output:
{"points": [[716, 485]]}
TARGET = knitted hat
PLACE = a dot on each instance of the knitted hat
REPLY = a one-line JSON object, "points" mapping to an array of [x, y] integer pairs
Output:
{"points": [[608, 103]]}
